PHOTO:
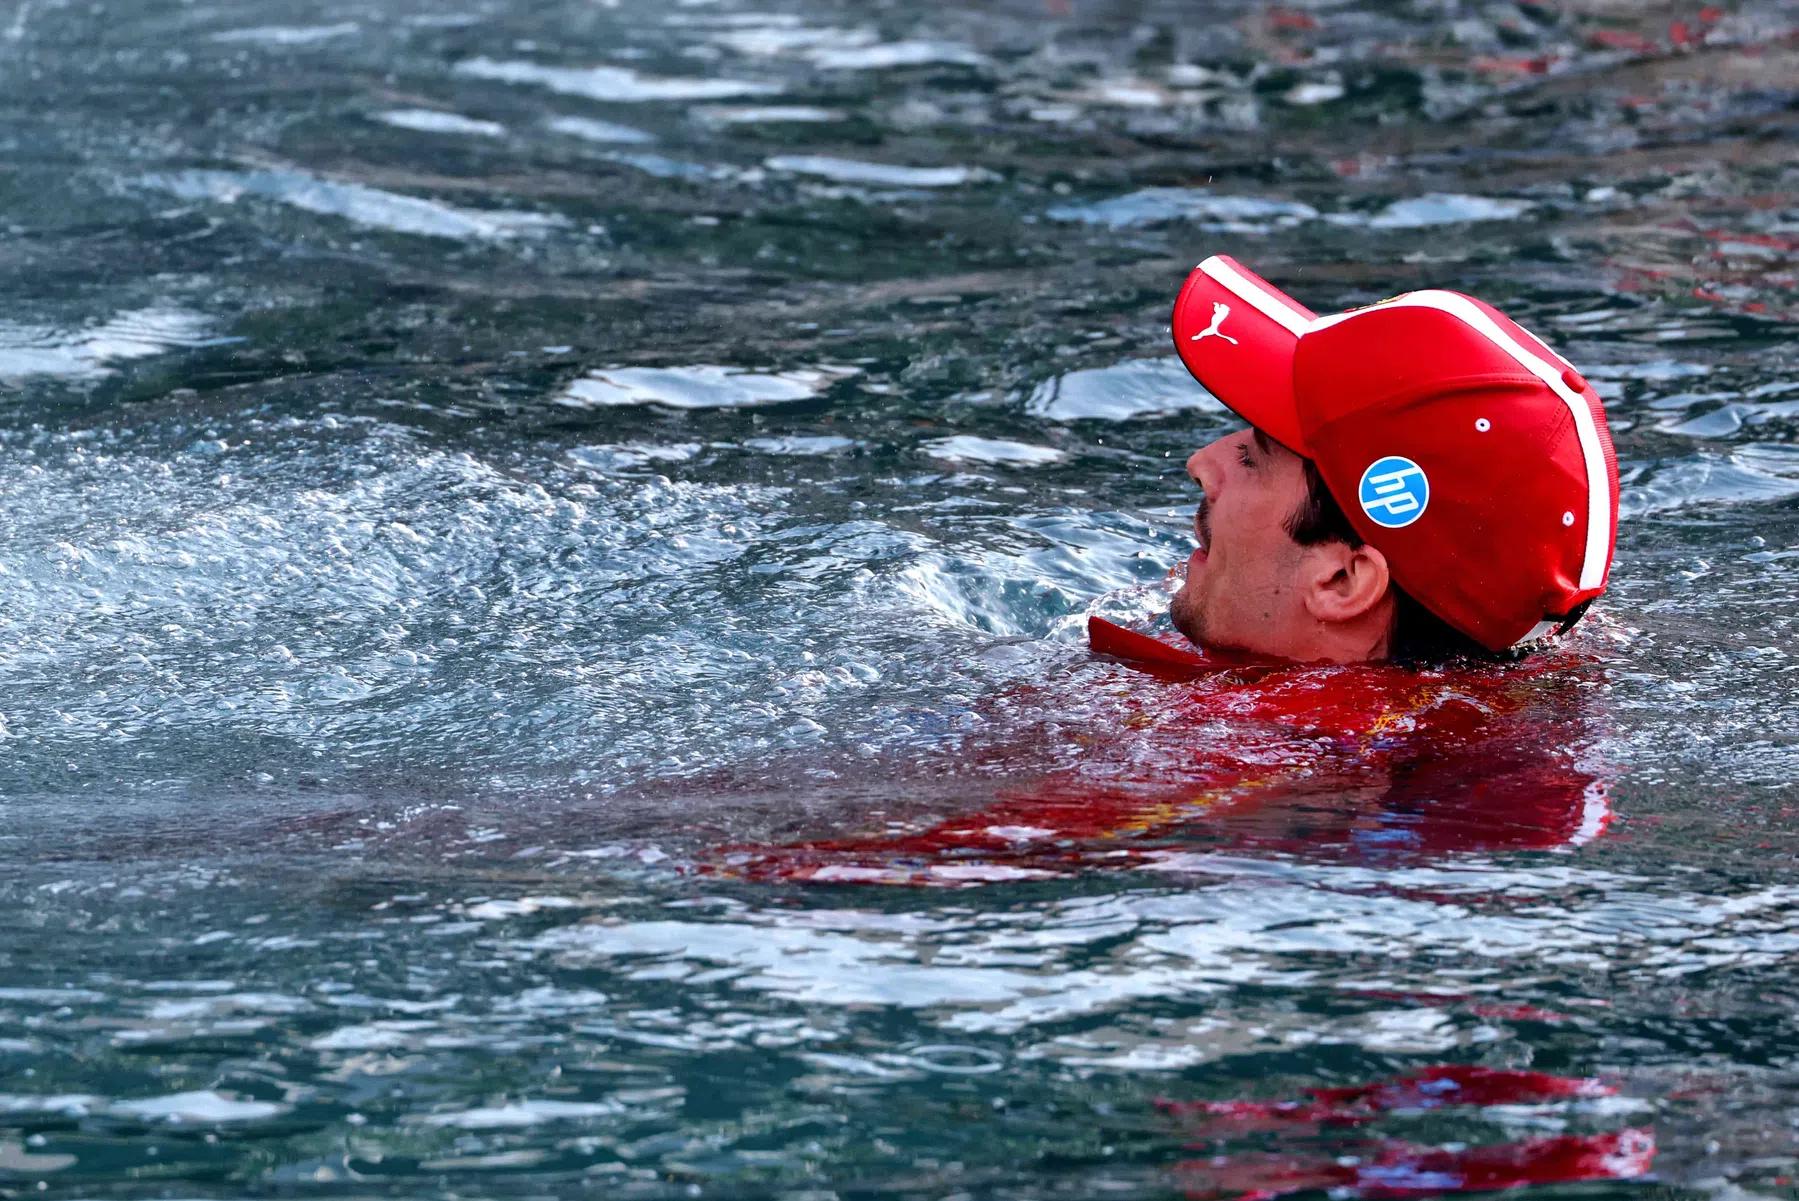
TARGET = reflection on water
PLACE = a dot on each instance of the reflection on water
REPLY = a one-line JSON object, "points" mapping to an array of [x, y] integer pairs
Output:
{"points": [[544, 562]]}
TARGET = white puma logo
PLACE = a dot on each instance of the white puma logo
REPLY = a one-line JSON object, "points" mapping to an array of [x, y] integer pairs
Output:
{"points": [[1220, 311]]}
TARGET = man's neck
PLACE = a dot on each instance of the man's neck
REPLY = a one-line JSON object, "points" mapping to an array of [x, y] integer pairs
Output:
{"points": [[1366, 639]]}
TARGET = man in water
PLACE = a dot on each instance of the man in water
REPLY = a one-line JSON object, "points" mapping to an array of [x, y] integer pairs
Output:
{"points": [[1423, 483], [1423, 478]]}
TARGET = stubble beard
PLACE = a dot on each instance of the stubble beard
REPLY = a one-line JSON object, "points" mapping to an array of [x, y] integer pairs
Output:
{"points": [[1185, 611]]}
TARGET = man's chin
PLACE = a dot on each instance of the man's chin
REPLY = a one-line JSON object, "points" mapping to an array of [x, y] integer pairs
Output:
{"points": [[1184, 612]]}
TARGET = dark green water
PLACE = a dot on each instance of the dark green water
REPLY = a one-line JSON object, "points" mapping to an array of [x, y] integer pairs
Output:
{"points": [[462, 466]]}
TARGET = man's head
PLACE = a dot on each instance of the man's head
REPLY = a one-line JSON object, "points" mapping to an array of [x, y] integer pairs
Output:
{"points": [[1281, 571], [1422, 477]]}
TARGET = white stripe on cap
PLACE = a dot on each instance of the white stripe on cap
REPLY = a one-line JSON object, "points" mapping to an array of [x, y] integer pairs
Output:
{"points": [[1273, 305], [1599, 489]]}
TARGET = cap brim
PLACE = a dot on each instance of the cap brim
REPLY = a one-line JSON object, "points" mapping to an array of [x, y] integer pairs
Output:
{"points": [[1237, 334]]}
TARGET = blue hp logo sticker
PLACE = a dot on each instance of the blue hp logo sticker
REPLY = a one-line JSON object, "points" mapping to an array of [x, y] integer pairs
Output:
{"points": [[1394, 492]]}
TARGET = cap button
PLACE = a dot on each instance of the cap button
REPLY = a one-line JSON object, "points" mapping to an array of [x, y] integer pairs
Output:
{"points": [[1574, 381]]}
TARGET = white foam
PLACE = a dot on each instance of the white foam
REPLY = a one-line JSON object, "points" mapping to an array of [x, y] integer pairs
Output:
{"points": [[288, 35], [356, 203], [442, 20], [800, 444], [966, 448], [372, 1036], [203, 1105], [428, 120], [523, 1113], [1224, 214], [51, 996], [1056, 114], [74, 1105], [618, 84], [599, 131], [1314, 93], [698, 387], [725, 20], [897, 54], [844, 170], [1124, 391], [1126, 91], [628, 456], [85, 353], [1436, 208], [839, 49], [766, 114], [782, 39]]}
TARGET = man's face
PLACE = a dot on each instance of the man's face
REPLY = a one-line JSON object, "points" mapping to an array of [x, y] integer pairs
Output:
{"points": [[1243, 583]]}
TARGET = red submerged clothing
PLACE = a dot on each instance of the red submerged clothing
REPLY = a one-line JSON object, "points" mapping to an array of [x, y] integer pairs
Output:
{"points": [[1365, 762]]}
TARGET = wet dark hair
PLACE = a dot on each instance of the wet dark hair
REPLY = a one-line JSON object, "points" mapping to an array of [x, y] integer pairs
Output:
{"points": [[1418, 635]]}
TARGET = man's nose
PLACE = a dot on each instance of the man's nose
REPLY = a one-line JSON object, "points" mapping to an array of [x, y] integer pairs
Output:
{"points": [[1202, 467]]}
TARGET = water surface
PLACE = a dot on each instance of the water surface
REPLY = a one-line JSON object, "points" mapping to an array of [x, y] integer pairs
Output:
{"points": [[502, 503]]}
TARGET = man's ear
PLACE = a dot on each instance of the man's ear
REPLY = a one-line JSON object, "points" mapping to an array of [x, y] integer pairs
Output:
{"points": [[1342, 583]]}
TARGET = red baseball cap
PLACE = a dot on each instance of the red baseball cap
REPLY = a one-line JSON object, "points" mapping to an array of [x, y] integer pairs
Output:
{"points": [[1471, 455]]}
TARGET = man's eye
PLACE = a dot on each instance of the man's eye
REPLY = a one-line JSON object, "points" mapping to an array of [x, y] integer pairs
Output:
{"points": [[1244, 457]]}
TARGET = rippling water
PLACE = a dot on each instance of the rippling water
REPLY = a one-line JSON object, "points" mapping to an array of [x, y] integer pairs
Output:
{"points": [[500, 505]]}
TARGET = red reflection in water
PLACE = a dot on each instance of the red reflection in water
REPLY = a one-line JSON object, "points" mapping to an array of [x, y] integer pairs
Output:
{"points": [[1431, 1088], [1396, 1169], [1391, 1167]]}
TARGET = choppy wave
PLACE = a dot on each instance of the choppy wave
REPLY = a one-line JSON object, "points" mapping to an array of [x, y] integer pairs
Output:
{"points": [[701, 387], [886, 55], [631, 455], [855, 171], [1224, 214], [1718, 423], [357, 203], [202, 1106], [1262, 926], [289, 35], [1131, 389], [841, 49], [967, 448], [88, 352], [1747, 475], [767, 114], [620, 85], [802, 444], [1655, 370], [1437, 208], [593, 130], [1259, 215], [430, 120]]}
